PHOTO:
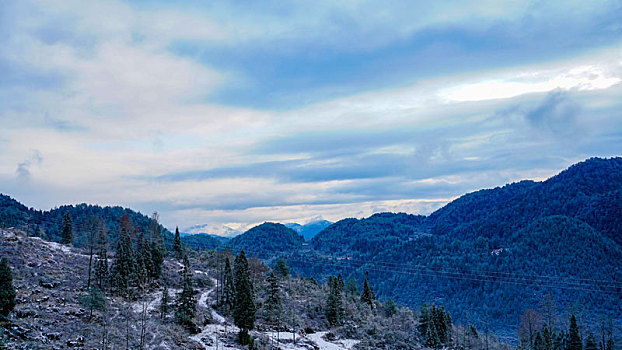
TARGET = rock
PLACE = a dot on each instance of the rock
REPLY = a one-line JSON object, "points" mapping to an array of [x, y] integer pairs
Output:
{"points": [[24, 313], [53, 335], [48, 285]]}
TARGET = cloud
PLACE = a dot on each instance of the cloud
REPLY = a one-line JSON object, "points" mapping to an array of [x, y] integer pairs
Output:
{"points": [[557, 114], [23, 168]]}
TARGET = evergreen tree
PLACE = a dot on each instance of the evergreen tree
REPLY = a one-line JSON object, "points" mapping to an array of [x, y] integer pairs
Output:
{"points": [[590, 343], [281, 269], [352, 287], [538, 343], [390, 308], [7, 292], [164, 302], [368, 295], [334, 303], [186, 302], [101, 261], [95, 299], [67, 229], [144, 261], [123, 266], [273, 306], [574, 337], [244, 309], [177, 248], [228, 294], [425, 319], [158, 250]]}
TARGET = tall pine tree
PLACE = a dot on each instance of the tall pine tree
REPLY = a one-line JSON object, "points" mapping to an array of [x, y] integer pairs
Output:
{"points": [[273, 307], [124, 265], [7, 291], [244, 309], [574, 336], [156, 244], [177, 248], [228, 293], [101, 260], [368, 295], [66, 235], [186, 302]]}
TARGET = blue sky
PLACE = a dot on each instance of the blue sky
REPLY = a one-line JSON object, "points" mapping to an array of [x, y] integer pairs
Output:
{"points": [[234, 113]]}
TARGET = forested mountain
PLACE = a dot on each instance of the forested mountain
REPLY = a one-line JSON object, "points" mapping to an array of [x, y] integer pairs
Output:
{"points": [[47, 224], [487, 256], [310, 229], [267, 239]]}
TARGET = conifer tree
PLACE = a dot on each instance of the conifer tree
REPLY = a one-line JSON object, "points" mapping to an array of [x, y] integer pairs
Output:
{"points": [[390, 308], [67, 229], [334, 305], [101, 261], [177, 248], [574, 337], [186, 302], [7, 291], [352, 287], [281, 269], [123, 266], [164, 302], [244, 309], [590, 343], [228, 294], [144, 261], [368, 295], [158, 250], [425, 318], [273, 306]]}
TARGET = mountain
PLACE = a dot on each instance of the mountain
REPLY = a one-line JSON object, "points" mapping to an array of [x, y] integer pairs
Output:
{"points": [[310, 229], [202, 241], [212, 229], [267, 239], [48, 223], [492, 252]]}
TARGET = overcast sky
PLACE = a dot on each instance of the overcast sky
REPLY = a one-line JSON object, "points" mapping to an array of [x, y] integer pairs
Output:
{"points": [[218, 112]]}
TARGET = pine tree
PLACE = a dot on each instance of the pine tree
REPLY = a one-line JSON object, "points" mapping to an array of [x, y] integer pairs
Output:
{"points": [[177, 248], [124, 265], [186, 302], [164, 302], [158, 250], [281, 269], [352, 287], [425, 319], [144, 261], [228, 287], [368, 295], [101, 262], [7, 292], [244, 309], [538, 343], [390, 308], [273, 306], [67, 229], [333, 302], [574, 337], [590, 343]]}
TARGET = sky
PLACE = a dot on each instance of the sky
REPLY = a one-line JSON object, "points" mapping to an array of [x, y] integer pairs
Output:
{"points": [[232, 113]]}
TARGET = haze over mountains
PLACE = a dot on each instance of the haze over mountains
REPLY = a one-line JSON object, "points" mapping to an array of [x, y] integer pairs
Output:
{"points": [[488, 255]]}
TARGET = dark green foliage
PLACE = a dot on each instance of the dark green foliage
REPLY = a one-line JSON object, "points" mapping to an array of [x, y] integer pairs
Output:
{"points": [[7, 291], [334, 303], [101, 260], [273, 307], [244, 308], [352, 287], [267, 238], [368, 296], [281, 268], [164, 302], [574, 336], [435, 327], [590, 343], [157, 247], [368, 236], [67, 229], [390, 308], [228, 293], [177, 248], [95, 299], [202, 241], [124, 265], [186, 303]]}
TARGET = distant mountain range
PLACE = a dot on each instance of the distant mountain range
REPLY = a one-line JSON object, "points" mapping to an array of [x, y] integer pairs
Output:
{"points": [[487, 255]]}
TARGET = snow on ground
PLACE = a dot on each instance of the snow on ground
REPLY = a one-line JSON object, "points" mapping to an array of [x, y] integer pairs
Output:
{"points": [[154, 301], [56, 246], [342, 344]]}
